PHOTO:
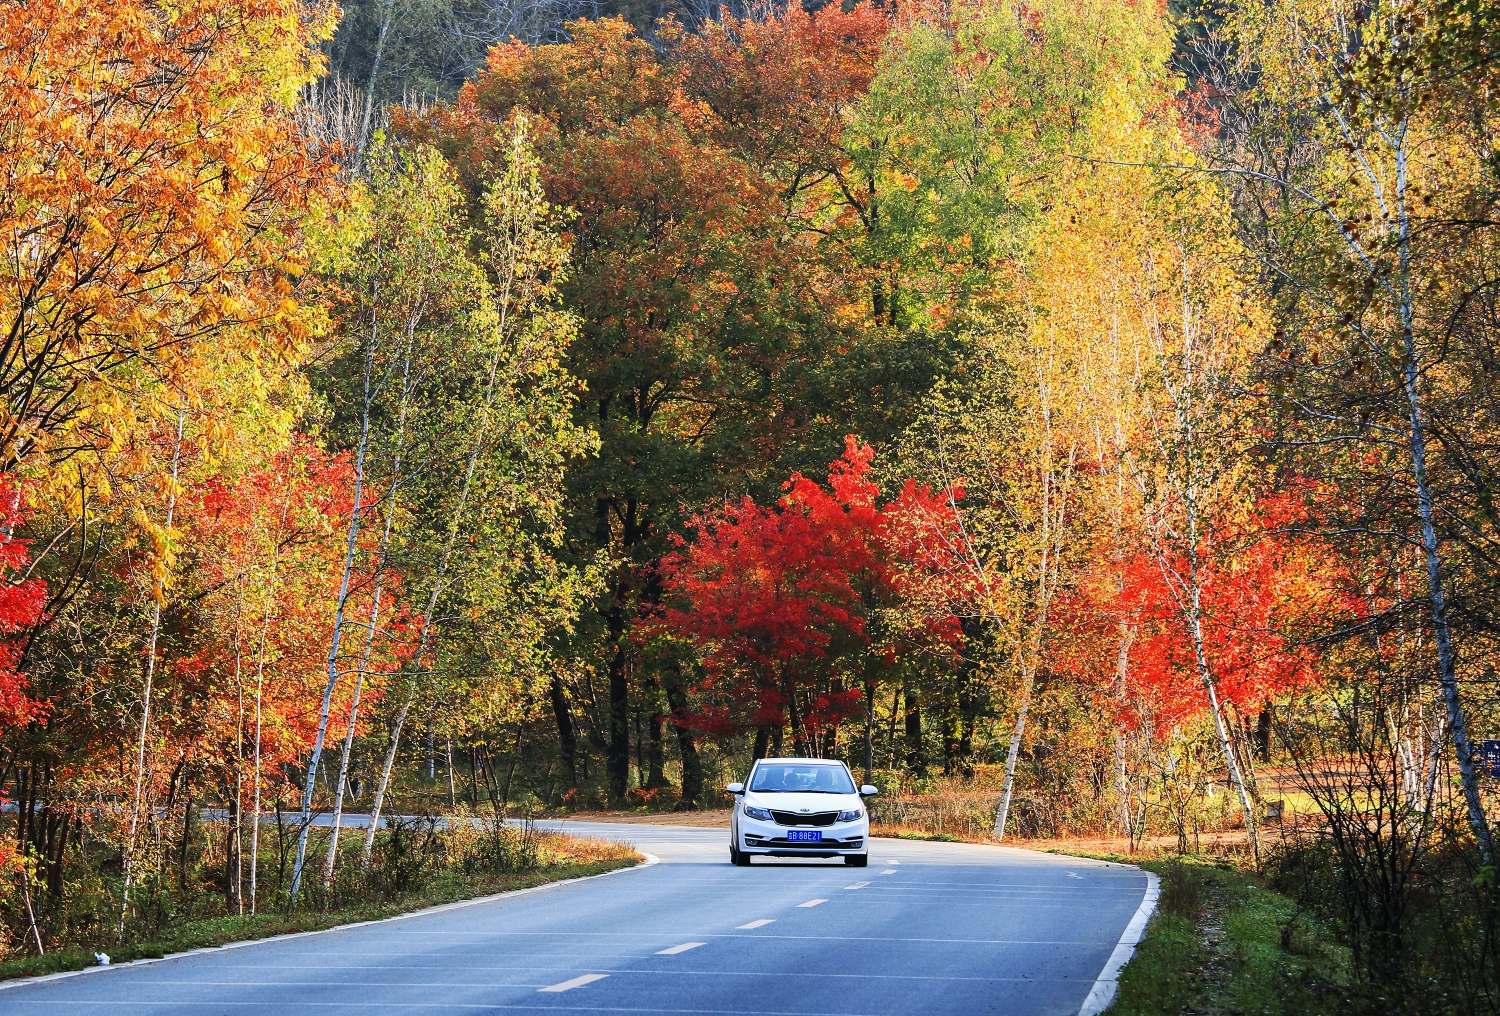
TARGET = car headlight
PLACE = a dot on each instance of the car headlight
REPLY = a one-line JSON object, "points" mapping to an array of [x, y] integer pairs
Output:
{"points": [[852, 815], [760, 813]]}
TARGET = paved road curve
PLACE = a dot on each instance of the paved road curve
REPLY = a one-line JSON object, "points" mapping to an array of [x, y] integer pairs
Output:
{"points": [[928, 928]]}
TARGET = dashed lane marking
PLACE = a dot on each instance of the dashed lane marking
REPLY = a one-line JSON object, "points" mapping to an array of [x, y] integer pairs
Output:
{"points": [[889, 871], [576, 982], [857, 885], [810, 903], [756, 924], [684, 947]]}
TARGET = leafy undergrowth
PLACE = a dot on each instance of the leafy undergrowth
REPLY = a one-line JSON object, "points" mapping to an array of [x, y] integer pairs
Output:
{"points": [[564, 857], [909, 833], [1220, 943]]}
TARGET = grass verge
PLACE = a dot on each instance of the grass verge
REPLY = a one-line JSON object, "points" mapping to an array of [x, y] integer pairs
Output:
{"points": [[1220, 942], [449, 887]]}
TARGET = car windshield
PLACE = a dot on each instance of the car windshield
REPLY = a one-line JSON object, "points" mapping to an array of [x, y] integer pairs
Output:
{"points": [[801, 778]]}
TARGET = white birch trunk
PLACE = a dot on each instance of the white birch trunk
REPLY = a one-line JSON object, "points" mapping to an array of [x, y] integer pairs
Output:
{"points": [[1426, 510], [364, 664], [385, 780], [260, 674], [364, 130], [476, 446], [140, 751], [239, 763], [1048, 573], [370, 392], [305, 819], [343, 781], [452, 797], [1002, 813], [1122, 779]]}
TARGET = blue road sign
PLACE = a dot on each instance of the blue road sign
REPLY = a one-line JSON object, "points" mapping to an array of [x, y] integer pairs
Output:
{"points": [[1487, 755]]}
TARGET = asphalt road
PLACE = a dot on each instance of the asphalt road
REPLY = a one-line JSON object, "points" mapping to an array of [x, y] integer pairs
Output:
{"points": [[928, 928]]}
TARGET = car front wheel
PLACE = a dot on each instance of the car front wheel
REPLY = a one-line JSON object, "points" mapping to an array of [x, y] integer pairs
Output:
{"points": [[857, 860]]}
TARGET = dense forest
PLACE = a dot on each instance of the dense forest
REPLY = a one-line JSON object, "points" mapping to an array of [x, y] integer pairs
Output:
{"points": [[1081, 418]]}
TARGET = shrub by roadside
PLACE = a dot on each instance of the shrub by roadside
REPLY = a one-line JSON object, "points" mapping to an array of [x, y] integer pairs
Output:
{"points": [[417, 864], [1221, 942]]}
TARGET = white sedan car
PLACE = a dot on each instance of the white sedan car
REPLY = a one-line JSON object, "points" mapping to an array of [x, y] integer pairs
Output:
{"points": [[800, 807]]}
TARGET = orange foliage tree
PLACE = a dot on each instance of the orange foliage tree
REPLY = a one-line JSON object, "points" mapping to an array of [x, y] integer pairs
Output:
{"points": [[705, 312], [154, 181]]}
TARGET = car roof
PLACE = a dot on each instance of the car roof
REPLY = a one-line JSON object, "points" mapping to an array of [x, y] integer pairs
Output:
{"points": [[804, 761]]}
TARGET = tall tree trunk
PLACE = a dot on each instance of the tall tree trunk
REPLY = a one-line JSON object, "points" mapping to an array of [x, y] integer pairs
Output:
{"points": [[234, 876], [1122, 778], [762, 742], [364, 130], [343, 780], [567, 740], [656, 756], [952, 732], [260, 673], [1002, 813], [452, 798], [351, 547], [656, 723], [619, 702], [140, 751], [385, 779], [1210, 686], [916, 758], [794, 717], [1432, 556], [380, 561], [255, 793], [445, 558], [869, 730], [692, 765]]}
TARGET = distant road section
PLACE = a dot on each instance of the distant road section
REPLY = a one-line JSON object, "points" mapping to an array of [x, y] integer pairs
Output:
{"points": [[928, 928]]}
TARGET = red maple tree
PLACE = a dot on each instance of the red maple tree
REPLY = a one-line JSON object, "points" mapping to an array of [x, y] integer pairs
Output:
{"points": [[22, 601]]}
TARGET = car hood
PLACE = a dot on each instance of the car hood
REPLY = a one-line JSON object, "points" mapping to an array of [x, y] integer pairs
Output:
{"points": [[814, 803]]}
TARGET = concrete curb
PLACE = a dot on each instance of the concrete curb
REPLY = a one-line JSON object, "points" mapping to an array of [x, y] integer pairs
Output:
{"points": [[1108, 981], [651, 859]]}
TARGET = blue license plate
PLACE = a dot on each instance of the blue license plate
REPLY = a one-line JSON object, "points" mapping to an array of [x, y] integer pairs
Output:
{"points": [[804, 836]]}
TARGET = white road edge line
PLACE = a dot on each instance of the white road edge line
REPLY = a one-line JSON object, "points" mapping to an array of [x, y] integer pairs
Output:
{"points": [[23, 982], [576, 982], [810, 903], [1108, 982], [674, 950], [756, 924]]}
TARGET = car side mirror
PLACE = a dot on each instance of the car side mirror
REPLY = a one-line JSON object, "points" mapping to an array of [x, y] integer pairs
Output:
{"points": [[736, 788], [868, 791]]}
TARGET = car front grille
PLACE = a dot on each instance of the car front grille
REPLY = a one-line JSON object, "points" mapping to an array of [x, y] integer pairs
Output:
{"points": [[782, 844], [793, 818]]}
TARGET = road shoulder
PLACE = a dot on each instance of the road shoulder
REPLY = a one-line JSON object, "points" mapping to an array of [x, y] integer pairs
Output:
{"points": [[216, 935]]}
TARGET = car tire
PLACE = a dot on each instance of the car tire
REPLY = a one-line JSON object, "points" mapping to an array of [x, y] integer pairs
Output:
{"points": [[740, 858], [857, 860]]}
